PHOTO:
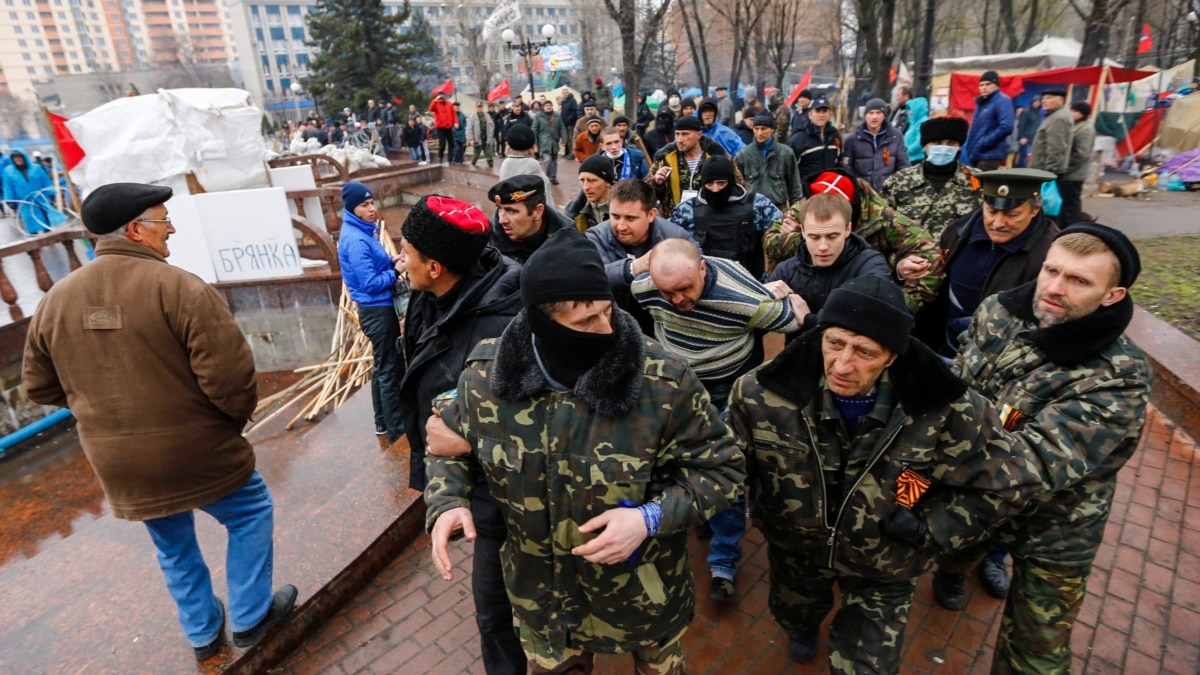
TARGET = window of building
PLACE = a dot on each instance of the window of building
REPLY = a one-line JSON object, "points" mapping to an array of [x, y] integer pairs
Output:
{"points": [[31, 70], [17, 30], [276, 33], [26, 56], [21, 43], [293, 9], [297, 33], [270, 85], [48, 70], [78, 69], [39, 42], [13, 16]]}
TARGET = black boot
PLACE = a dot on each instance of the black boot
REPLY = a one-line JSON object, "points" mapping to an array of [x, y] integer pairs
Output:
{"points": [[994, 577], [282, 603], [949, 589], [802, 647]]}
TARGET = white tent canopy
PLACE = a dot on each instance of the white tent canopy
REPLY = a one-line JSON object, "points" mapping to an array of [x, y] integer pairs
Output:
{"points": [[1052, 52]]}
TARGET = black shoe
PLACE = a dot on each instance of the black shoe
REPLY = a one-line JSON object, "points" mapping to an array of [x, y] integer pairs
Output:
{"points": [[721, 589], [380, 431], [802, 647], [949, 589], [994, 577], [554, 181], [281, 604], [210, 650], [704, 530]]}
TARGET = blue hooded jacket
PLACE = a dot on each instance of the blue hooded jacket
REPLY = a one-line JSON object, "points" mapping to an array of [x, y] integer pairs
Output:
{"points": [[990, 127], [28, 191], [918, 112], [366, 267]]}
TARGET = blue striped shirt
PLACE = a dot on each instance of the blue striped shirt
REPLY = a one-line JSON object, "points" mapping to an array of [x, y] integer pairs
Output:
{"points": [[717, 335]]}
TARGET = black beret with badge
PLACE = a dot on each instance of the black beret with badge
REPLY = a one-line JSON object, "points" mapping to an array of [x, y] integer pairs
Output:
{"points": [[1009, 188], [517, 189], [110, 207]]}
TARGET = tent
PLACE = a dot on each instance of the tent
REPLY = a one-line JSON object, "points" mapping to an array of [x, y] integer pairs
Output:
{"points": [[1049, 53], [1087, 76], [1181, 128]]}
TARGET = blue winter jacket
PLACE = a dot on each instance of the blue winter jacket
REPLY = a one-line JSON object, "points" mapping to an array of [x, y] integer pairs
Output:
{"points": [[28, 189], [993, 122], [726, 137], [366, 267], [918, 113]]}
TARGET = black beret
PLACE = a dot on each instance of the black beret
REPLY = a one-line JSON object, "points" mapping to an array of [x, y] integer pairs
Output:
{"points": [[517, 189], [110, 207], [944, 128], [1126, 252], [1056, 90], [519, 137], [689, 123]]}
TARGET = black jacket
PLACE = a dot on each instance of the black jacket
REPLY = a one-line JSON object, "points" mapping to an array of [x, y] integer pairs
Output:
{"points": [[570, 111], [437, 341], [552, 222], [815, 151], [814, 284], [414, 136]]}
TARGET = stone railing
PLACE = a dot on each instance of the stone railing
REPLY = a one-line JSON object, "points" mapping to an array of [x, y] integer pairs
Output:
{"points": [[34, 247]]}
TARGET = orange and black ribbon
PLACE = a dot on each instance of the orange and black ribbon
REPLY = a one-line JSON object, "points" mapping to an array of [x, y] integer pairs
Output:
{"points": [[910, 485]]}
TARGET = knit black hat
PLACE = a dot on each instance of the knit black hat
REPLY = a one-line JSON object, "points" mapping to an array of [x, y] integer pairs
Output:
{"points": [[805, 93], [566, 267], [1126, 252], [870, 306], [990, 76], [717, 167], [598, 165], [110, 207], [620, 119], [519, 137], [1083, 108], [594, 118], [945, 128], [1056, 90], [447, 230], [764, 120], [688, 123], [876, 104], [707, 103]]}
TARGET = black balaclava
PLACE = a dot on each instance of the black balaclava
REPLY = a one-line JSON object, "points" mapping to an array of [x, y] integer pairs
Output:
{"points": [[717, 168]]}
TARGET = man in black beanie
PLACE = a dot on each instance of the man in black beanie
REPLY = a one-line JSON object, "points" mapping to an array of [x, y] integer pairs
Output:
{"points": [[1053, 356], [868, 456], [464, 291], [565, 413], [590, 206], [935, 192]]}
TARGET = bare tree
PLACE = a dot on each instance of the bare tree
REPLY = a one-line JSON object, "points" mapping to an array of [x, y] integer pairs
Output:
{"points": [[1097, 29], [778, 36], [663, 66], [479, 53], [635, 50], [698, 43], [741, 18], [876, 21]]}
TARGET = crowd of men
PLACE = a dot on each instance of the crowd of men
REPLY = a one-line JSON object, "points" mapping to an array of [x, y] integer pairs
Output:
{"points": [[955, 386]]}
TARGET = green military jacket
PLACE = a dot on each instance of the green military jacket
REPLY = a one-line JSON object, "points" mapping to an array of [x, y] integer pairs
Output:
{"points": [[1077, 394], [774, 176], [925, 422], [556, 459], [910, 193], [887, 231]]}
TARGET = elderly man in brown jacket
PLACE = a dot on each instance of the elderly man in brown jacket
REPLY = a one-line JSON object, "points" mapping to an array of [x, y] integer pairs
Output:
{"points": [[161, 380]]}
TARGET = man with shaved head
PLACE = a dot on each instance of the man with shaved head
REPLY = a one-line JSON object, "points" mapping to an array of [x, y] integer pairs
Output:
{"points": [[708, 311]]}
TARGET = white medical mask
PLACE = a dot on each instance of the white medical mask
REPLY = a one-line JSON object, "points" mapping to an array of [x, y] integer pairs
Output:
{"points": [[941, 155]]}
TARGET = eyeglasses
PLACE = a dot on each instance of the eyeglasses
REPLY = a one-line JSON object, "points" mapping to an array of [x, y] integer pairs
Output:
{"points": [[154, 220]]}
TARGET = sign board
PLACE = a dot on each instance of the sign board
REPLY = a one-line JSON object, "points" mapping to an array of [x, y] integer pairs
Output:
{"points": [[189, 245], [553, 58], [299, 178], [249, 234]]}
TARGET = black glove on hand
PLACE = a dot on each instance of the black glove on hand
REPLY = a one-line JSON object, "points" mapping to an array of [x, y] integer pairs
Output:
{"points": [[906, 526]]}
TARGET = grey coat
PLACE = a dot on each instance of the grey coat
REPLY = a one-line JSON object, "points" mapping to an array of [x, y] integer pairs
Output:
{"points": [[1083, 144], [1052, 144]]}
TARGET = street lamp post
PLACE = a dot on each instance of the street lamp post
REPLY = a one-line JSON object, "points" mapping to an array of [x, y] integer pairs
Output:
{"points": [[528, 48], [296, 89]]}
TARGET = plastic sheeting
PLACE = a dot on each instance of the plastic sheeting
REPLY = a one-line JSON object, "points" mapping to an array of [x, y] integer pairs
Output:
{"points": [[160, 137]]}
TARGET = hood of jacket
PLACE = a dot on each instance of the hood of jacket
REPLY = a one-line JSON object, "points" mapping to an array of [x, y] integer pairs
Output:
{"points": [[1074, 342]]}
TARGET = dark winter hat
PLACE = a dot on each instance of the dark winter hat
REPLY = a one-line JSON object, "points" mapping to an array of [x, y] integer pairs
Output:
{"points": [[566, 267], [688, 123], [870, 306], [519, 137], [620, 119], [806, 93], [820, 103], [517, 189], [1126, 252], [876, 104], [355, 193], [708, 103], [1055, 91], [990, 76], [594, 118], [447, 230], [764, 120], [110, 207], [717, 167], [600, 166], [945, 128], [664, 116], [1083, 108]]}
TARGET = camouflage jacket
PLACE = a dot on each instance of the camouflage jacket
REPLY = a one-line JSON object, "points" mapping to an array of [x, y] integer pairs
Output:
{"points": [[925, 422], [910, 193], [1077, 394], [556, 459], [889, 232]]}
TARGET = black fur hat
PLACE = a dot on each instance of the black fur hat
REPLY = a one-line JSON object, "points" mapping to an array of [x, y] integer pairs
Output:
{"points": [[947, 128], [448, 230]]}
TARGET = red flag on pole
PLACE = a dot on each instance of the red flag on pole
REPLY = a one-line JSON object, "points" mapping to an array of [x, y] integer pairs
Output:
{"points": [[72, 154], [499, 91], [1145, 44], [800, 86], [446, 88]]}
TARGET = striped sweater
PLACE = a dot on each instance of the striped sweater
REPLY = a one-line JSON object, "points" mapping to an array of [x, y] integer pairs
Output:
{"points": [[717, 336]]}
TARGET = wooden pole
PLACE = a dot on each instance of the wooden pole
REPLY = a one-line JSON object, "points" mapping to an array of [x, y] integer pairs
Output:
{"points": [[75, 203]]}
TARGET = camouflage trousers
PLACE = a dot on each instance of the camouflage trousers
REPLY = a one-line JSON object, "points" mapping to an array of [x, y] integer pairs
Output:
{"points": [[867, 632], [1039, 613], [664, 658]]}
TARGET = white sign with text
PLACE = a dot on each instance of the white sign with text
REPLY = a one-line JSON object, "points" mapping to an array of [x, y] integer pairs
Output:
{"points": [[249, 234]]}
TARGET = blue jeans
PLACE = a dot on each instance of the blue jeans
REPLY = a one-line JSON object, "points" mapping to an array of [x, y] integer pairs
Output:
{"points": [[248, 515], [728, 527]]}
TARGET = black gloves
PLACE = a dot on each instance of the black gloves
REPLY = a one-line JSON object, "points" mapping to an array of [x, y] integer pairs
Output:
{"points": [[906, 526]]}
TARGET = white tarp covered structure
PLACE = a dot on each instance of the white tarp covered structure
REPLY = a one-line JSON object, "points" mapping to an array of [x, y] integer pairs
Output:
{"points": [[1050, 53], [160, 138]]}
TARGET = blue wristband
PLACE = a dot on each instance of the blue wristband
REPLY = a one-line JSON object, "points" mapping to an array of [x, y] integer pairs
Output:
{"points": [[652, 514]]}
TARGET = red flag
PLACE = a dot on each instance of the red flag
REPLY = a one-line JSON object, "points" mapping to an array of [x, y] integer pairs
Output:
{"points": [[72, 154], [499, 91], [800, 86], [397, 100], [446, 88], [1145, 44]]}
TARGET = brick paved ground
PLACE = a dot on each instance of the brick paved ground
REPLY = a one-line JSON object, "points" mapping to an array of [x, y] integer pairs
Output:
{"points": [[1141, 615]]}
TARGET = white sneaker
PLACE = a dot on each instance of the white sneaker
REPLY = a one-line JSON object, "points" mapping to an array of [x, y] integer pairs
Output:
{"points": [[423, 163]]}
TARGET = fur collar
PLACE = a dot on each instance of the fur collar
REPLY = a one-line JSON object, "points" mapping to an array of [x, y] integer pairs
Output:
{"points": [[611, 387], [1074, 342], [922, 381]]}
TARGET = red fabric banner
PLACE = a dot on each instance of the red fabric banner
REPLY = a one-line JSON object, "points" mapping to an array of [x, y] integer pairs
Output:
{"points": [[72, 154], [499, 91], [800, 86], [1145, 44], [446, 88]]}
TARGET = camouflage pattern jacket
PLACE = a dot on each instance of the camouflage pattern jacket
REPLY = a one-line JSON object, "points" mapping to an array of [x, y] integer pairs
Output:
{"points": [[911, 193], [556, 459], [1077, 394], [891, 233], [925, 422]]}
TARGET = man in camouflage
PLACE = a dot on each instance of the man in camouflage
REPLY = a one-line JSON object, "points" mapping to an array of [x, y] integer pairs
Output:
{"points": [[602, 448], [1053, 354], [675, 175], [866, 456], [936, 191], [910, 251]]}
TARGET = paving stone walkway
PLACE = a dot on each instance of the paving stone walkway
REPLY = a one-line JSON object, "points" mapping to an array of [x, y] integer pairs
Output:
{"points": [[1141, 615]]}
